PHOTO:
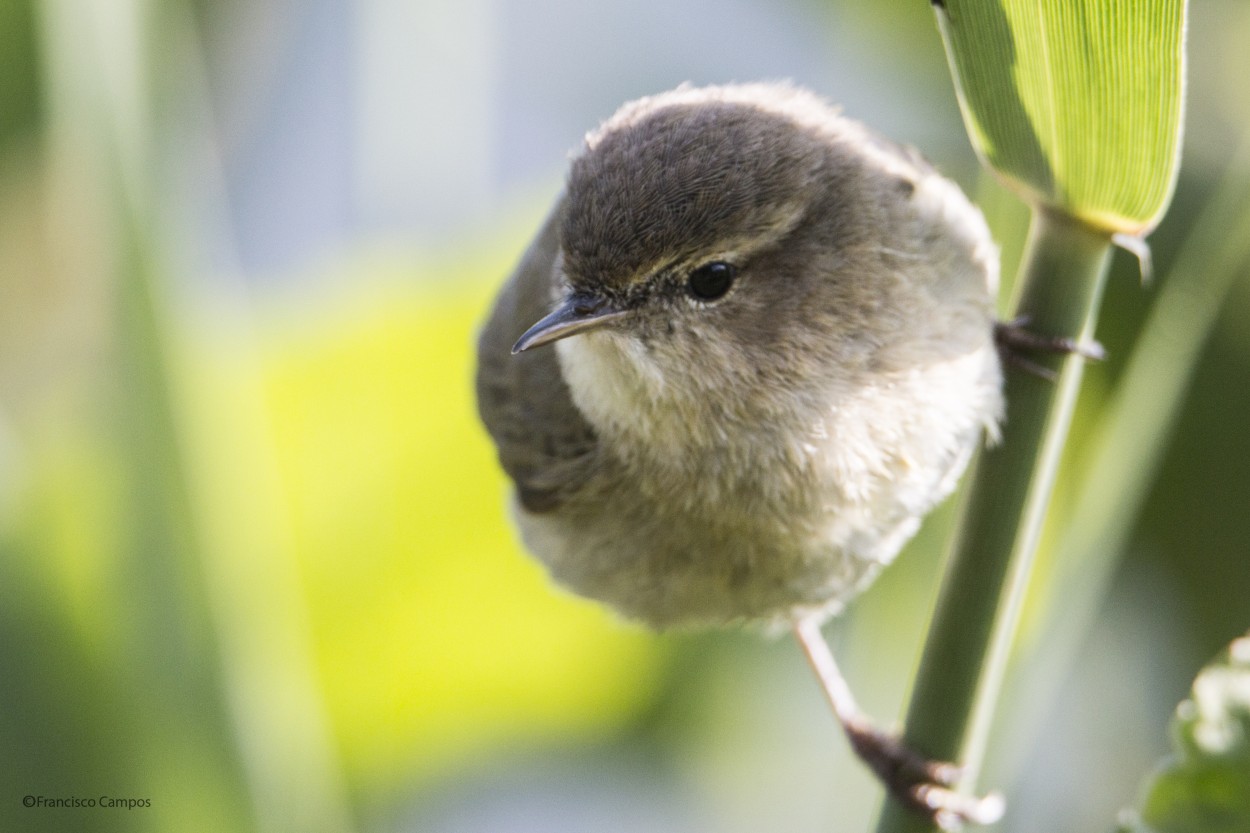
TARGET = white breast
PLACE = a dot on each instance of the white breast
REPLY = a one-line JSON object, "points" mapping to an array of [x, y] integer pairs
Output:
{"points": [[709, 519]]}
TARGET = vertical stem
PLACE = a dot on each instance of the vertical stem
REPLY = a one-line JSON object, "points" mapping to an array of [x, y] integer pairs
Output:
{"points": [[1059, 291], [1125, 448]]}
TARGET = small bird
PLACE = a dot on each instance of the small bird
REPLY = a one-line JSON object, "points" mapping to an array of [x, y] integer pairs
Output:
{"points": [[751, 347]]}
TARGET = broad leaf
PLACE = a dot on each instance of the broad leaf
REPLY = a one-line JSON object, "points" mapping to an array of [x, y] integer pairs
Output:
{"points": [[1076, 104]]}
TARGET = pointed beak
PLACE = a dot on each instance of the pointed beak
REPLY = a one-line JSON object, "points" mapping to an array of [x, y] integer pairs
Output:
{"points": [[575, 314]]}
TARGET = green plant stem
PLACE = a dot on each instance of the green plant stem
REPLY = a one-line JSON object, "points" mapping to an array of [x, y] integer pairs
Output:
{"points": [[1058, 293], [1125, 448]]}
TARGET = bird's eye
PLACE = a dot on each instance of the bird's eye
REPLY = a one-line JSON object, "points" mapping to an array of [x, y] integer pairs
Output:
{"points": [[711, 280]]}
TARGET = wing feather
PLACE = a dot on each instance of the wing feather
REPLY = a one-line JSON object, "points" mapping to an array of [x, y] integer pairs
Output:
{"points": [[545, 444]]}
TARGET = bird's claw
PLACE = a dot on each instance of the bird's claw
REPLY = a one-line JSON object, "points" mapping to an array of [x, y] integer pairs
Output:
{"points": [[923, 785], [1014, 338], [951, 810]]}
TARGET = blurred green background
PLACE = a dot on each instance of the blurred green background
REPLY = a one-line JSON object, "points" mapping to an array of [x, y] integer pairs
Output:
{"points": [[255, 565]]}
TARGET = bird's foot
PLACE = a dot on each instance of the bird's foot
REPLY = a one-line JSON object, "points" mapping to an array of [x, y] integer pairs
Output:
{"points": [[1014, 339], [920, 784]]}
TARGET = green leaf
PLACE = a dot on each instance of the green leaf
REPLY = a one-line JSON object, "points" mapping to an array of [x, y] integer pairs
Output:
{"points": [[1075, 104], [1205, 786]]}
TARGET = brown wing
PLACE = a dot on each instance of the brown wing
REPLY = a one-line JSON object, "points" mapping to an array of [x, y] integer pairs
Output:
{"points": [[544, 442]]}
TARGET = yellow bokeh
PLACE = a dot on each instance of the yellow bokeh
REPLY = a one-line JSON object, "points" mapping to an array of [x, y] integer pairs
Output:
{"points": [[435, 635]]}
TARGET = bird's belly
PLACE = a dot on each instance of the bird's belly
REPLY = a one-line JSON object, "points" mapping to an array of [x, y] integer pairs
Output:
{"points": [[786, 516], [741, 556]]}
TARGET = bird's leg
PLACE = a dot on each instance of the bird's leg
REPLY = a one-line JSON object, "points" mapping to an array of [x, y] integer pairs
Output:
{"points": [[1014, 338], [921, 784]]}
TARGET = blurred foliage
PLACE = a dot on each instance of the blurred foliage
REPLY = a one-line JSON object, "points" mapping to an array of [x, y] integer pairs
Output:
{"points": [[20, 99], [434, 639], [1205, 787]]}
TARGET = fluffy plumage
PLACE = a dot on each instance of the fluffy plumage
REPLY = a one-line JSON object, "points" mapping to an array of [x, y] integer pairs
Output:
{"points": [[761, 456]]}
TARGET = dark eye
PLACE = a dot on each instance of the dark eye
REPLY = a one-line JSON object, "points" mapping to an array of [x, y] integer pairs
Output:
{"points": [[711, 280]]}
